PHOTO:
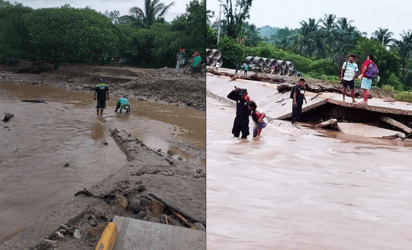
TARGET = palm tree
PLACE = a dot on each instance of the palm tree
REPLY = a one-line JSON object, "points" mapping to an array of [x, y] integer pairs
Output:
{"points": [[153, 12], [383, 36], [344, 24], [405, 46], [311, 40], [328, 23]]}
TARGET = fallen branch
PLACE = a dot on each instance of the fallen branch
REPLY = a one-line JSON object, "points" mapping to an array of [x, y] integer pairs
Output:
{"points": [[34, 100], [318, 94], [396, 124], [176, 209]]}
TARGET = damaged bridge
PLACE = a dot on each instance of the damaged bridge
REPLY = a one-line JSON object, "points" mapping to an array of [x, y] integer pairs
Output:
{"points": [[378, 119]]}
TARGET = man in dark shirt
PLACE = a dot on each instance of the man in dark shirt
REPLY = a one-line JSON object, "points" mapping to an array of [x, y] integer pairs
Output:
{"points": [[298, 97], [241, 122], [100, 92]]}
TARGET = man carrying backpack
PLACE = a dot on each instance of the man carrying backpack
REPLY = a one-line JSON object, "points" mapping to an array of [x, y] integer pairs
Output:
{"points": [[348, 75], [369, 71], [298, 95]]}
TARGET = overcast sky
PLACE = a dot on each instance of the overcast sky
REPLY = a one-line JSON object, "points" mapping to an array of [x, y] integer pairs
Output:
{"points": [[367, 15], [110, 5]]}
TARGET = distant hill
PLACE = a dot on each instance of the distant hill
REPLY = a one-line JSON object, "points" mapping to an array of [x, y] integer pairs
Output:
{"points": [[267, 31]]}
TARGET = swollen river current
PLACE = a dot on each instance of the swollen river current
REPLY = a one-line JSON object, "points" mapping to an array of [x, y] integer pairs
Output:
{"points": [[286, 191]]}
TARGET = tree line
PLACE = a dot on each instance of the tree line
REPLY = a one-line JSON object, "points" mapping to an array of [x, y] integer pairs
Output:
{"points": [[71, 35], [318, 48]]}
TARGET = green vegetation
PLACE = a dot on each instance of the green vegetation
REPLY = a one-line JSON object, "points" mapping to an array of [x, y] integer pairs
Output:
{"points": [[404, 96], [70, 35], [320, 47]]}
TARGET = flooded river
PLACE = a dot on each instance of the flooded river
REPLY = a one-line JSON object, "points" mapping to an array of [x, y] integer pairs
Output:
{"points": [[303, 192], [41, 138]]}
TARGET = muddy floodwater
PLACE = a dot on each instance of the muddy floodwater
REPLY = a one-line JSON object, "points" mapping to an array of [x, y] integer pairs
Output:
{"points": [[37, 143], [304, 192]]}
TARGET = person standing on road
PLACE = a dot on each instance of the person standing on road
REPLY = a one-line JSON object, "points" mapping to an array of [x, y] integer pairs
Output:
{"points": [[101, 91], [258, 116], [348, 75], [182, 65], [179, 58], [298, 94], [196, 62], [367, 80], [246, 67], [241, 123], [123, 103], [238, 68]]}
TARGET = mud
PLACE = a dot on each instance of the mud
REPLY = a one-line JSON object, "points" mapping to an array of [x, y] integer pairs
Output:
{"points": [[60, 148], [156, 85], [167, 177]]}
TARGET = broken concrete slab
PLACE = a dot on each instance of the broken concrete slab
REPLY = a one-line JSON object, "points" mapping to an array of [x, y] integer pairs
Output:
{"points": [[144, 235], [360, 129], [266, 95]]}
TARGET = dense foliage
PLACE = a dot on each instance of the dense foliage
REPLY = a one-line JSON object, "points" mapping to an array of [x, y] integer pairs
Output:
{"points": [[319, 48], [71, 35]]}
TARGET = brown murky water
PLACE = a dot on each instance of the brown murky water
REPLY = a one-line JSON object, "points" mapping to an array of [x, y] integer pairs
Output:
{"points": [[304, 192], [40, 138]]}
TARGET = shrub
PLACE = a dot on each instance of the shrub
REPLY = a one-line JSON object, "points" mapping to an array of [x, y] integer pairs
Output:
{"points": [[405, 96]]}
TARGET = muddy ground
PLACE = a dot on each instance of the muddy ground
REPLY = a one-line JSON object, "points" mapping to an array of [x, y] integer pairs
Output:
{"points": [[177, 182], [158, 85], [167, 176]]}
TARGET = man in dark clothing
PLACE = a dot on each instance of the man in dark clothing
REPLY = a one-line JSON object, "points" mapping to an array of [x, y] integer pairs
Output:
{"points": [[298, 97], [100, 92], [241, 122]]}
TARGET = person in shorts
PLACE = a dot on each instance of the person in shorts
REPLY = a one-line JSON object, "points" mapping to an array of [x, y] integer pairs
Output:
{"points": [[348, 75], [101, 93], [259, 117], [366, 82], [122, 103]]}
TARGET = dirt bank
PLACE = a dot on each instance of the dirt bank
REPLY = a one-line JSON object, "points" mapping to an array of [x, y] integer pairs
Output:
{"points": [[177, 182], [158, 85]]}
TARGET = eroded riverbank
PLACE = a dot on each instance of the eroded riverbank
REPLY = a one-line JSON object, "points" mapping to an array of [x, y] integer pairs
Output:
{"points": [[42, 138]]}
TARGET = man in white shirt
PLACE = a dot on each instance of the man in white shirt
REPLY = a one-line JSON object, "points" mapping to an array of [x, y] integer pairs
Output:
{"points": [[348, 75]]}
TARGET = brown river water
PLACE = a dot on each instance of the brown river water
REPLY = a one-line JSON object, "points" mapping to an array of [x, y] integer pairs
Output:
{"points": [[303, 192], [41, 138]]}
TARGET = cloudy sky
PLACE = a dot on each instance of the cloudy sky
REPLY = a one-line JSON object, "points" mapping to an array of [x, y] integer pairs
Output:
{"points": [[367, 15], [102, 5]]}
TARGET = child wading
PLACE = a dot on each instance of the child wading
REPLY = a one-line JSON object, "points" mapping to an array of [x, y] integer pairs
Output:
{"points": [[258, 117], [122, 103]]}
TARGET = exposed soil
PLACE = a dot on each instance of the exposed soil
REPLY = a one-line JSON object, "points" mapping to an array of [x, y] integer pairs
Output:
{"points": [[158, 85], [179, 183], [169, 177]]}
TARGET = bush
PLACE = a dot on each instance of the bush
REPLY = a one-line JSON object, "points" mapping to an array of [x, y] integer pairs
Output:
{"points": [[394, 81], [388, 87], [404, 96]]}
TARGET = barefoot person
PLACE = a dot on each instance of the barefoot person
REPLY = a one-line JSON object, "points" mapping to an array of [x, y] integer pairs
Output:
{"points": [[369, 71], [298, 95], [123, 103], [101, 91], [241, 122], [259, 117], [348, 75]]}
